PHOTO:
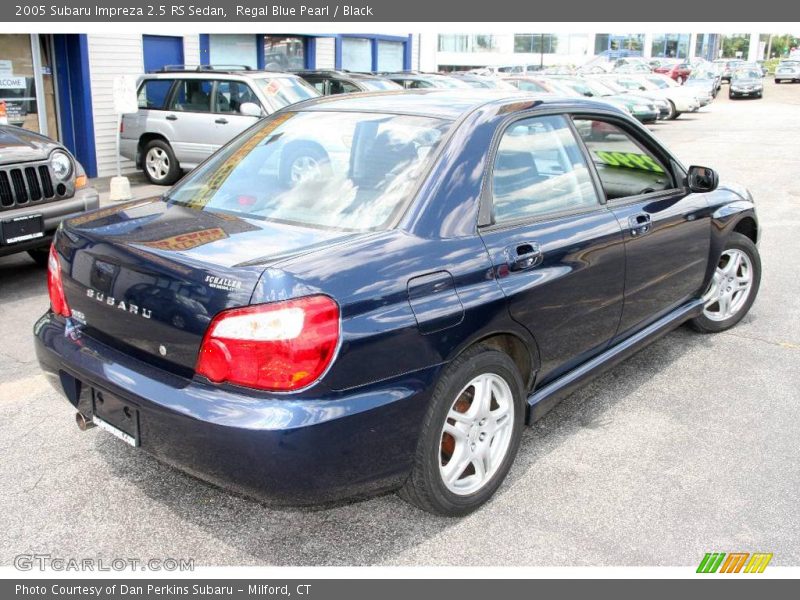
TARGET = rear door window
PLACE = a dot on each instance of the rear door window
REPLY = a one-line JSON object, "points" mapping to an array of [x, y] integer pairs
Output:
{"points": [[153, 93], [539, 170], [192, 95]]}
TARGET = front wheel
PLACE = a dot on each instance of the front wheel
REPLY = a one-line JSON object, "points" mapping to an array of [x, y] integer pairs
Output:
{"points": [[470, 435], [733, 286]]}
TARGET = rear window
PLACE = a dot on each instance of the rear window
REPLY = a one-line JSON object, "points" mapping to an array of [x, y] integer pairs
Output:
{"points": [[380, 84], [337, 170], [283, 91], [153, 93]]}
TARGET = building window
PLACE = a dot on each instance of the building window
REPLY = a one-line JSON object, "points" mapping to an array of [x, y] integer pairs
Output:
{"points": [[544, 43], [670, 45], [391, 55], [233, 49], [284, 52], [551, 43], [17, 83], [467, 43], [356, 54], [626, 43]]}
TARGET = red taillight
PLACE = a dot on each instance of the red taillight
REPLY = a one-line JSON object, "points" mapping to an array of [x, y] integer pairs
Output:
{"points": [[282, 346], [55, 287]]}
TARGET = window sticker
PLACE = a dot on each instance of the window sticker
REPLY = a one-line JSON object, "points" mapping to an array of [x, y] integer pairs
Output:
{"points": [[629, 160]]}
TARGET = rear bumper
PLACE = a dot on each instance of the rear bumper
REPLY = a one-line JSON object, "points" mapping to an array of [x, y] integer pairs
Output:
{"points": [[53, 213], [279, 449]]}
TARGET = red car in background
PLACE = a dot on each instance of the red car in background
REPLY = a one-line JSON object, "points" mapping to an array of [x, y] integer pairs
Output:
{"points": [[678, 71]]}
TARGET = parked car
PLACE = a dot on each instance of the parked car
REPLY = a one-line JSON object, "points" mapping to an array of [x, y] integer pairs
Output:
{"points": [[41, 184], [746, 81], [727, 66], [395, 324], [533, 84], [762, 66], [639, 90], [643, 109], [706, 79], [678, 71], [414, 80], [787, 70], [482, 81], [330, 82], [672, 103], [187, 114]]}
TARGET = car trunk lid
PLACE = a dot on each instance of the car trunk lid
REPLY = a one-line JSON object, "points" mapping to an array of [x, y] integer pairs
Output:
{"points": [[148, 276]]}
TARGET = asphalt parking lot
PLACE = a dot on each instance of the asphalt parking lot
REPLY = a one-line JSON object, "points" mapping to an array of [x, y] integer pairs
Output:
{"points": [[691, 446]]}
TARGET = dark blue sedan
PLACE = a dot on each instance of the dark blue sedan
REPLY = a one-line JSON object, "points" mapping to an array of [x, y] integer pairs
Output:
{"points": [[376, 292]]}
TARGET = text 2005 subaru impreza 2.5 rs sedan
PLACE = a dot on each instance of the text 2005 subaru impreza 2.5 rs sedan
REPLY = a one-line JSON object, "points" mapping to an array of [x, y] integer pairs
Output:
{"points": [[378, 291]]}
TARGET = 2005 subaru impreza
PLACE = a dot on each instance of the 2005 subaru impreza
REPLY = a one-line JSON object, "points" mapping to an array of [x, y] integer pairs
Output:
{"points": [[377, 292]]}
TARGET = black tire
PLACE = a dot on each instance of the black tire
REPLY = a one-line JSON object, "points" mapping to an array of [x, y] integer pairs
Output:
{"points": [[297, 152], [777, 81], [739, 242], [173, 172], [40, 255], [673, 112], [425, 487]]}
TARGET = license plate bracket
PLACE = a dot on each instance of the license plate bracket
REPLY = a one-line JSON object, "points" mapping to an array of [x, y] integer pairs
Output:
{"points": [[116, 416], [21, 229]]}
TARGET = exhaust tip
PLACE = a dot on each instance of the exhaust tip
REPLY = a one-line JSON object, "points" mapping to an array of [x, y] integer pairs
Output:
{"points": [[83, 421]]}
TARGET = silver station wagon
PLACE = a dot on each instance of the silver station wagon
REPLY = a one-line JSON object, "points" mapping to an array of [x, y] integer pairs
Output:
{"points": [[186, 114]]}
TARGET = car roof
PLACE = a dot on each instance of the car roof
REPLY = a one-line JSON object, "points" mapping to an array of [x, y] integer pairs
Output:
{"points": [[216, 74], [442, 103], [336, 74]]}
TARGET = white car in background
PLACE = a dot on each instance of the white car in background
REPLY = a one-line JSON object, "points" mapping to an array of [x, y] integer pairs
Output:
{"points": [[680, 99]]}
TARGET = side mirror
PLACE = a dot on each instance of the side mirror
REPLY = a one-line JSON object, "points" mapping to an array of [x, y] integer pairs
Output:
{"points": [[250, 109], [702, 179]]}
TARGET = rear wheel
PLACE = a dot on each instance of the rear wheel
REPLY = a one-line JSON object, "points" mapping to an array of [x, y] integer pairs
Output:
{"points": [[160, 165], [470, 435], [679, 80], [733, 287]]}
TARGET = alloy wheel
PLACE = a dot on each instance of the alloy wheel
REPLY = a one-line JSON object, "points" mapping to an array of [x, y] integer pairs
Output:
{"points": [[476, 434], [303, 167], [730, 286], [157, 163]]}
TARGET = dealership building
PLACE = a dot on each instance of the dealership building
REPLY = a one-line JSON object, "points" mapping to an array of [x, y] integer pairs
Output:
{"points": [[462, 51], [61, 85]]}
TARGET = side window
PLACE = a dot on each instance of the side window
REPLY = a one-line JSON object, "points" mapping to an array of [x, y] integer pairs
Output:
{"points": [[318, 83], [153, 93], [529, 86], [626, 168], [540, 169], [342, 87], [230, 95], [418, 84], [193, 95]]}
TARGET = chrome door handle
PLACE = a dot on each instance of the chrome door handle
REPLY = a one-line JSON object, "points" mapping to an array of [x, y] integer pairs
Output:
{"points": [[525, 255], [640, 224]]}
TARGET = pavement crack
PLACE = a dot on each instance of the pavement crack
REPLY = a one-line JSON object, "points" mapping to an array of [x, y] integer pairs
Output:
{"points": [[754, 338]]}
